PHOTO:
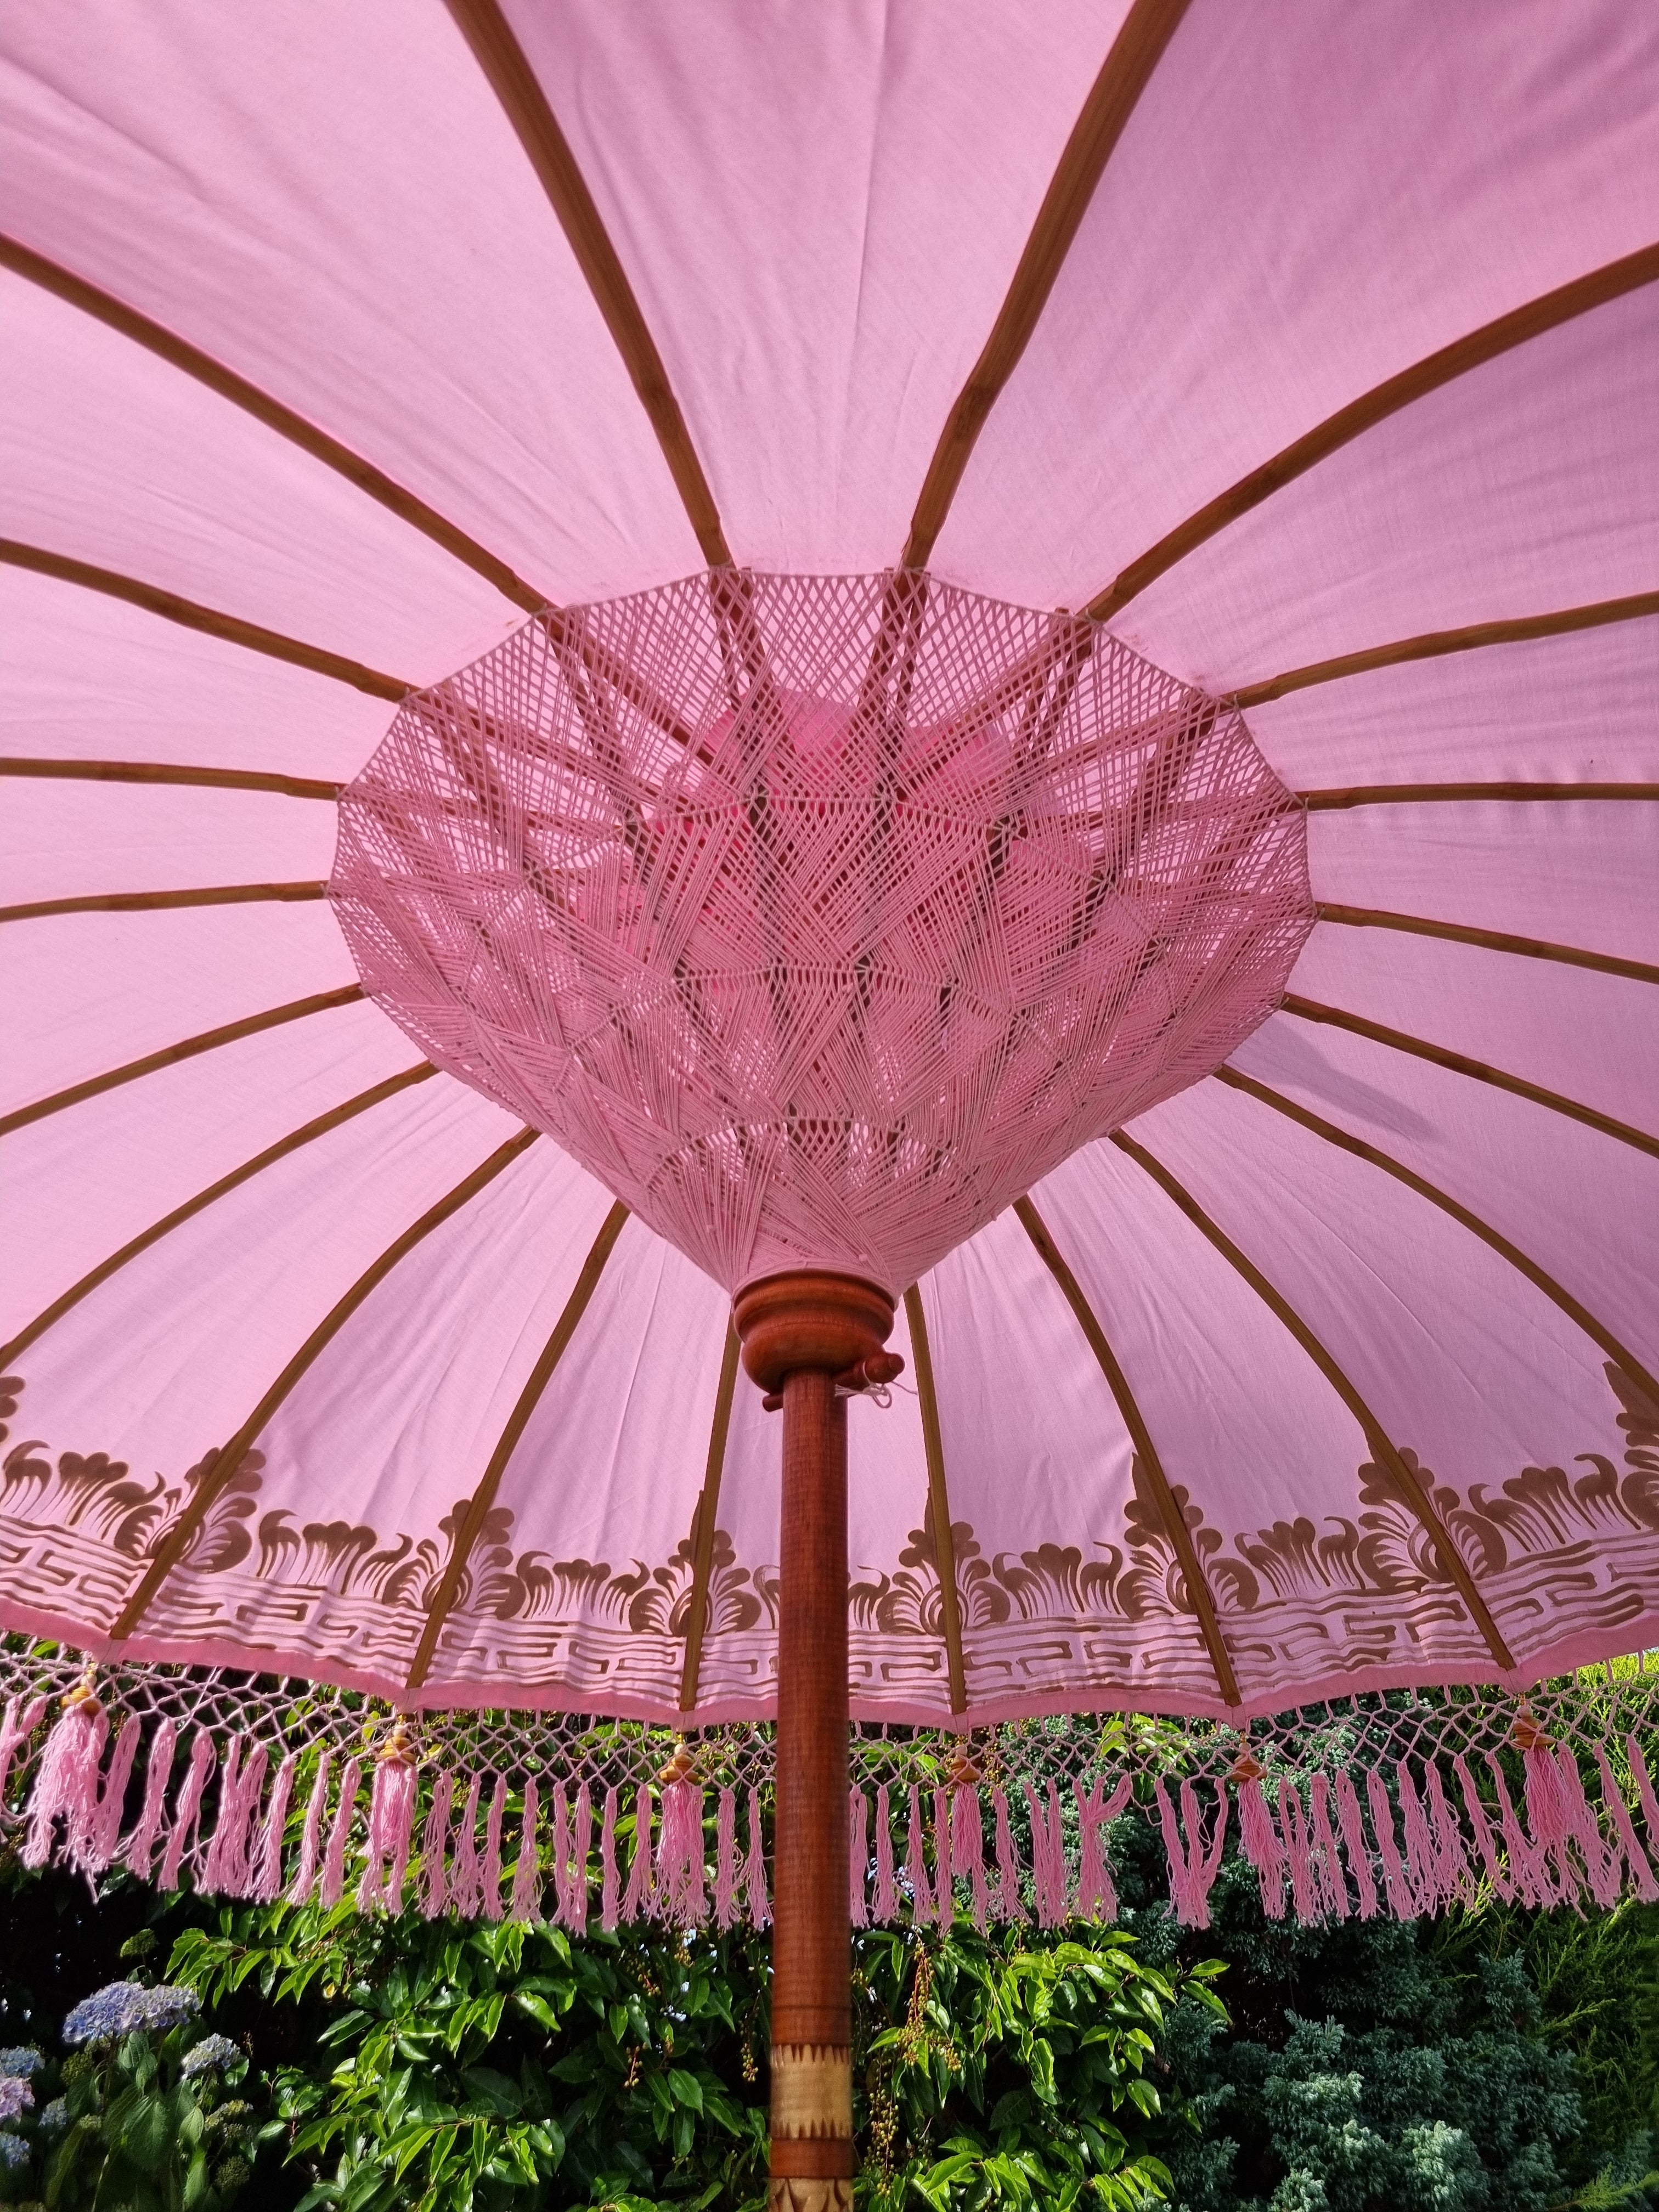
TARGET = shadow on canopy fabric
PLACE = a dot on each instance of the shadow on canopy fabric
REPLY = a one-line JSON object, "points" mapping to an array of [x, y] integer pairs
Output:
{"points": [[1250, 1100]]}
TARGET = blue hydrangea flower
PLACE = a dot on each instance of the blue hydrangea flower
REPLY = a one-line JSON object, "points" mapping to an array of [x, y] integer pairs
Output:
{"points": [[167, 2006], [17, 2097], [212, 2050], [21, 2059], [13, 2154], [54, 2115], [116, 2009]]}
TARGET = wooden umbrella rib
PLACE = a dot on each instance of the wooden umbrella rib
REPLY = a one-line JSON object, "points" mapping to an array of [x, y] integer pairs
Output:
{"points": [[208, 779], [180, 1536], [1331, 1133], [153, 902], [478, 1505], [517, 88], [1127, 68], [1434, 645], [702, 1524], [208, 620], [319, 1128], [1339, 800], [1310, 1010], [1405, 1480], [1488, 940], [1173, 1520], [170, 1056], [939, 1500], [1474, 350], [180, 354]]}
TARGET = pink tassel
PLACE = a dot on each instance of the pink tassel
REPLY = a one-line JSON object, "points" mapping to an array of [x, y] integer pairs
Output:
{"points": [[858, 1857], [187, 1807], [754, 1879], [1636, 1859], [1096, 1898], [1402, 1897], [1603, 1865], [1422, 1870], [433, 1885], [1261, 1847], [1534, 1882], [492, 1858], [968, 1849], [265, 1866], [140, 1849], [610, 1879], [1010, 1905], [570, 1850], [1327, 1852], [391, 1832], [681, 1897], [332, 1887], [1353, 1835], [66, 1780], [91, 1851], [15, 1729], [1639, 1767], [1480, 1826], [1451, 1862], [527, 1874], [1298, 1857], [639, 1896], [945, 1889], [466, 1876], [728, 1909], [311, 1836], [1047, 1859], [915, 1865], [1193, 1864], [1550, 1816], [885, 1907], [224, 1869]]}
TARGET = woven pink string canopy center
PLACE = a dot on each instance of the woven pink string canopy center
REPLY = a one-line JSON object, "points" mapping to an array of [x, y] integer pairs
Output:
{"points": [[821, 917]]}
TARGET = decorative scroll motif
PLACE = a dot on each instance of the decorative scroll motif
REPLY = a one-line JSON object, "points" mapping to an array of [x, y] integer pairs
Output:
{"points": [[819, 917], [77, 1530]]}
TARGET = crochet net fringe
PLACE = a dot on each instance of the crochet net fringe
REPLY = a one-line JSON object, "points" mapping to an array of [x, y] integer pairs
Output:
{"points": [[260, 1789]]}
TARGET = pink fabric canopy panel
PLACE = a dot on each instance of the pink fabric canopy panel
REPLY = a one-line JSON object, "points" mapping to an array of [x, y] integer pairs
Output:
{"points": [[386, 385]]}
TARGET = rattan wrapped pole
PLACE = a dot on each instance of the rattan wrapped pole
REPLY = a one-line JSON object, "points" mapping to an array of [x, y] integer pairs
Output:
{"points": [[800, 1333]]}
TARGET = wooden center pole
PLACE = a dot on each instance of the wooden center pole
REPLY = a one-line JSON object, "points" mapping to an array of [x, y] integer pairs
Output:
{"points": [[800, 1333]]}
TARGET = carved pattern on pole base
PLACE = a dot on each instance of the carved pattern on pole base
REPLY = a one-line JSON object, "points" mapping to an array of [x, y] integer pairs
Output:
{"points": [[789, 2193]]}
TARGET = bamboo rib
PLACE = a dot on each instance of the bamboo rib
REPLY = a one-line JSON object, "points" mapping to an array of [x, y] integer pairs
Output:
{"points": [[1377, 1439], [1128, 66], [209, 1040], [478, 1505], [180, 354], [514, 83], [703, 1523], [191, 1207], [939, 1500], [1173, 1520], [153, 902], [209, 778], [1477, 794], [1309, 1010], [1433, 645], [1488, 940], [1619, 1354], [178, 1538], [208, 620], [1472, 351]]}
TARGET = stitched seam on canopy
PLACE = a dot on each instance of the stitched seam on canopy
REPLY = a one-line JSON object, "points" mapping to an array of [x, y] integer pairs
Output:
{"points": [[169, 1055], [478, 1505], [319, 1128], [1532, 320], [227, 1462], [1375, 1435], [1236, 1080], [1124, 74], [1434, 645], [1168, 1506], [704, 1521], [1309, 1010], [180, 354]]}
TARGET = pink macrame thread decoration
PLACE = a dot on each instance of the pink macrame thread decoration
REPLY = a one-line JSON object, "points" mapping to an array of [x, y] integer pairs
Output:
{"points": [[820, 917]]}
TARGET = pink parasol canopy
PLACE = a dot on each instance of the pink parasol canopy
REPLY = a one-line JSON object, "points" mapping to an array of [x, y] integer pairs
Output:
{"points": [[1012, 652]]}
